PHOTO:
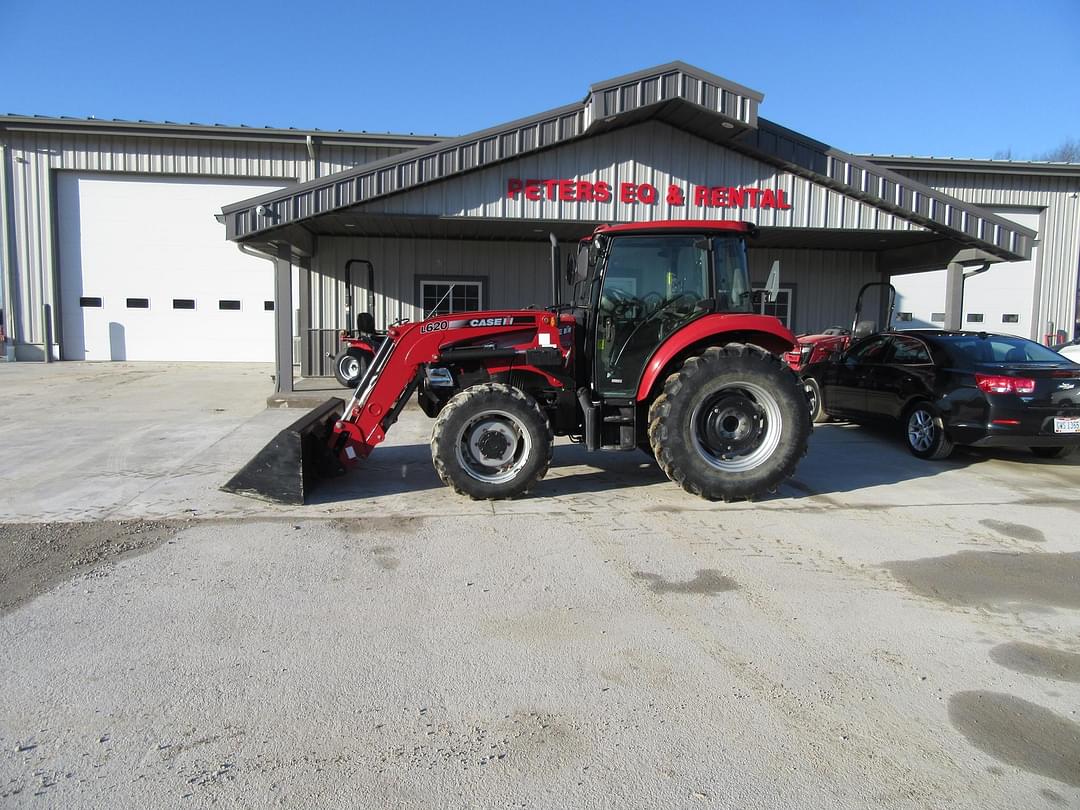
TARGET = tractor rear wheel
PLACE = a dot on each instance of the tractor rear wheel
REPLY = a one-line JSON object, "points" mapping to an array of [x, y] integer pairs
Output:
{"points": [[732, 423], [491, 441]]}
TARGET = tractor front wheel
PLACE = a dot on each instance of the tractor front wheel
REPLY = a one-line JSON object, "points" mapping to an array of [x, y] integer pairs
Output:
{"points": [[732, 423], [350, 365], [491, 441]]}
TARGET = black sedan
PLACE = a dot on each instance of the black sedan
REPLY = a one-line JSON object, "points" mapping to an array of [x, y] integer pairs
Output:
{"points": [[948, 388]]}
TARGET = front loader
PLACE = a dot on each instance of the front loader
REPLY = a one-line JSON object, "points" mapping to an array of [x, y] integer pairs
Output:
{"points": [[659, 349]]}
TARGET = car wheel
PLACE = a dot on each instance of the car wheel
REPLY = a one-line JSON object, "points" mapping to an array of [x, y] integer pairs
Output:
{"points": [[1051, 452], [814, 401], [925, 433]]}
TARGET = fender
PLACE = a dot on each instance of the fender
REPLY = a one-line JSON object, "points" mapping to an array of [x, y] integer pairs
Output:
{"points": [[763, 329]]}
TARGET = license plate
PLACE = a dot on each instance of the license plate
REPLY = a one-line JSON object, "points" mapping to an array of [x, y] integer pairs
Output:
{"points": [[1066, 425]]}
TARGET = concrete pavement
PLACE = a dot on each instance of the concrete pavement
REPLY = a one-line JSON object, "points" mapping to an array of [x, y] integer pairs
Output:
{"points": [[882, 632]]}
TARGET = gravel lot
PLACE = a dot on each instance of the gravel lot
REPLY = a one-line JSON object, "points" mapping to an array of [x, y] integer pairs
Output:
{"points": [[882, 632]]}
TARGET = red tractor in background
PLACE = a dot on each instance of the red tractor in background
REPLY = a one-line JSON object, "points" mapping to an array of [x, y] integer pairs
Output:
{"points": [[359, 345], [659, 349], [815, 348]]}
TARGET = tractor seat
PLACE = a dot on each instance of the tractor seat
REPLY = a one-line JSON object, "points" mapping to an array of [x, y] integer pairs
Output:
{"points": [[365, 323]]}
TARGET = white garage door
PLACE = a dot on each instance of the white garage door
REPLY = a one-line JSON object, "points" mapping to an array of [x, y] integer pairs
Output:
{"points": [[999, 300], [146, 272]]}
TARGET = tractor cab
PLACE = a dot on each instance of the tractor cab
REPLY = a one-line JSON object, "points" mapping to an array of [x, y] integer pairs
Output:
{"points": [[634, 286]]}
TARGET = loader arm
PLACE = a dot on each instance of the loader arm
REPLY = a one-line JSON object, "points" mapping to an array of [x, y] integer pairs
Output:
{"points": [[517, 340]]}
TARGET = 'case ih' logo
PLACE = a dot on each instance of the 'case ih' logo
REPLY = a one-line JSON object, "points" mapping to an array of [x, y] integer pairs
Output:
{"points": [[491, 321]]}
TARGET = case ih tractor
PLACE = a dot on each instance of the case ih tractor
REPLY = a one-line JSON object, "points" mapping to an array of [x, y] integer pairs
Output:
{"points": [[659, 349]]}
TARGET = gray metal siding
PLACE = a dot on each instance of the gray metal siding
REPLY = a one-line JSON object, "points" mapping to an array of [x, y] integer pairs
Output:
{"points": [[517, 274], [651, 152], [826, 282], [33, 158], [1059, 234]]}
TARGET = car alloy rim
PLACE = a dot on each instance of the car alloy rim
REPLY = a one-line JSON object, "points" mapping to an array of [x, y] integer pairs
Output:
{"points": [[493, 447], [350, 367], [811, 398], [736, 427], [920, 430]]}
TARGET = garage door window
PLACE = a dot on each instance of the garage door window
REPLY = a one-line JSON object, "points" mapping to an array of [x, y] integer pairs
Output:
{"points": [[87, 301], [183, 303], [228, 304], [450, 295], [138, 303]]}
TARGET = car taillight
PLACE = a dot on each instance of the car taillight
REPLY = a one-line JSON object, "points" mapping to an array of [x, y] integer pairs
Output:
{"points": [[1000, 384]]}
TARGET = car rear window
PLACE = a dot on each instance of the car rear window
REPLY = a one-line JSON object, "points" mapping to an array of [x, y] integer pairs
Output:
{"points": [[999, 349]]}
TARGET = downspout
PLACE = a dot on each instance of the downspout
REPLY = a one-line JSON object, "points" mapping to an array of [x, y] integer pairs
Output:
{"points": [[7, 263], [313, 155]]}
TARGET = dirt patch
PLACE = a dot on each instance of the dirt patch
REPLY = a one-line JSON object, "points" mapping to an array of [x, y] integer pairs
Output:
{"points": [[707, 582], [35, 557], [1001, 579], [1033, 659], [1017, 531], [1022, 734]]}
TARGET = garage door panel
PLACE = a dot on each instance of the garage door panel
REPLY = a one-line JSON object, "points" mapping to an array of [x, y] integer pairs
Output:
{"points": [[155, 238]]}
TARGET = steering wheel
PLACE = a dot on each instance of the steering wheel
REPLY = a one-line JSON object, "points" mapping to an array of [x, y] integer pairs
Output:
{"points": [[615, 300]]}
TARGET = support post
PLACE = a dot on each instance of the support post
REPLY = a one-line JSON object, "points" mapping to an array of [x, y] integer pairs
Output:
{"points": [[47, 331], [283, 326], [954, 296]]}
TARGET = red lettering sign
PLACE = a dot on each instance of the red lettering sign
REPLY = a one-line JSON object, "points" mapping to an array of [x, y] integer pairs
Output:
{"points": [[573, 190]]}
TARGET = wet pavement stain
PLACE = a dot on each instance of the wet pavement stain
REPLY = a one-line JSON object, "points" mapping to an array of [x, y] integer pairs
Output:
{"points": [[384, 558], [995, 578], [1053, 797], [1017, 531], [708, 582], [1033, 659], [1019, 733]]}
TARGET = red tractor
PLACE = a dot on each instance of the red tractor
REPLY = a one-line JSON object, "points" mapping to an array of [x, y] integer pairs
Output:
{"points": [[814, 348], [359, 345], [659, 349]]}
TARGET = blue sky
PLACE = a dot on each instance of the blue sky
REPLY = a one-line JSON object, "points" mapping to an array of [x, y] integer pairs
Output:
{"points": [[951, 78]]}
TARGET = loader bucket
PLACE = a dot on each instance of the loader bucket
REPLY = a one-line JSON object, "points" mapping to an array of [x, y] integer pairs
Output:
{"points": [[293, 461]]}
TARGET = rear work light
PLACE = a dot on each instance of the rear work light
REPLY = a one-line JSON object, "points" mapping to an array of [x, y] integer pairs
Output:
{"points": [[1000, 384]]}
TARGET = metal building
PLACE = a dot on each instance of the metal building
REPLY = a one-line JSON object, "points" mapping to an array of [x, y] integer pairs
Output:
{"points": [[668, 142], [108, 242]]}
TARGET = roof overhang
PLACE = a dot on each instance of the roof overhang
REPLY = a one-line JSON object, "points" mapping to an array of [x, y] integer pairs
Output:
{"points": [[682, 96]]}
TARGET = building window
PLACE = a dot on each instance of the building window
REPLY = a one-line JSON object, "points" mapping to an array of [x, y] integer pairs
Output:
{"points": [[228, 304], [975, 317], [183, 303], [268, 306], [89, 302], [1010, 317], [937, 317], [783, 307], [138, 303], [903, 316], [450, 295]]}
